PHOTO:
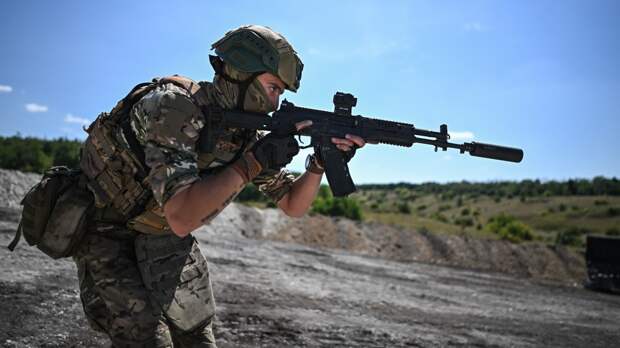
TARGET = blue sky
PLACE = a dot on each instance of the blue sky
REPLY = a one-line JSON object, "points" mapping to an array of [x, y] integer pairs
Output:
{"points": [[540, 75]]}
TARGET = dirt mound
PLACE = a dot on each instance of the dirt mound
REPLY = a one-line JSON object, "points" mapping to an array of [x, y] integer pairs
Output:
{"points": [[532, 260]]}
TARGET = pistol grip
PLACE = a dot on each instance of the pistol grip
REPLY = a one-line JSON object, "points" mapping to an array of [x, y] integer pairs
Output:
{"points": [[336, 170]]}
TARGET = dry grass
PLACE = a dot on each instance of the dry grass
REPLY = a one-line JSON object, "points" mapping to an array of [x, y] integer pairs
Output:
{"points": [[546, 216]]}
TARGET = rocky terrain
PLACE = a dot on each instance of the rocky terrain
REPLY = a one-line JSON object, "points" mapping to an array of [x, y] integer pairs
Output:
{"points": [[322, 282]]}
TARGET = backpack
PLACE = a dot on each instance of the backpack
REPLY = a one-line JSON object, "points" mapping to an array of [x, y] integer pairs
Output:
{"points": [[55, 212]]}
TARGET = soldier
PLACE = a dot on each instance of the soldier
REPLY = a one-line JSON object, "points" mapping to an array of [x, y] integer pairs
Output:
{"points": [[143, 279]]}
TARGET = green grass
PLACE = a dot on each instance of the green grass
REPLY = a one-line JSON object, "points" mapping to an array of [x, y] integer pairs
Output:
{"points": [[545, 216]]}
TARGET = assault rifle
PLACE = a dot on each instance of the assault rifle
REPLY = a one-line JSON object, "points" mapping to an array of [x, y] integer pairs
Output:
{"points": [[326, 125]]}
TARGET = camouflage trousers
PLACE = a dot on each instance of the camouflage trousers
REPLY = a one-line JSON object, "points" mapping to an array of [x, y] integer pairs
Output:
{"points": [[145, 290]]}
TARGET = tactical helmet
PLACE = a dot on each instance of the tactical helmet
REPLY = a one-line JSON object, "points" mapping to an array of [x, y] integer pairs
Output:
{"points": [[254, 49]]}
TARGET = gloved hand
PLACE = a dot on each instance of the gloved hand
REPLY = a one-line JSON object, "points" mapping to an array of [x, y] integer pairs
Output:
{"points": [[274, 152], [347, 155]]}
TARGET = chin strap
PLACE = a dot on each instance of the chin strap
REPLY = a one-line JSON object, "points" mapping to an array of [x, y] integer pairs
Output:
{"points": [[218, 66]]}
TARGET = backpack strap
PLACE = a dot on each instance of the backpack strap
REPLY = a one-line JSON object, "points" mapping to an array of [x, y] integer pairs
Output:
{"points": [[17, 237]]}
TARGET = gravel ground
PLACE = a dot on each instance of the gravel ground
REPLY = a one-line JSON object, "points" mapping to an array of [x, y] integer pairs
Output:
{"points": [[281, 282], [275, 294]]}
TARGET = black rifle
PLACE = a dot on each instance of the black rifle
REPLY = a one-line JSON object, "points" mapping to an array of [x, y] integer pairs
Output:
{"points": [[326, 125]]}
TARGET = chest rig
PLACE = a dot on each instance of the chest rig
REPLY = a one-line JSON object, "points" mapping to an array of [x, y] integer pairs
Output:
{"points": [[114, 162]]}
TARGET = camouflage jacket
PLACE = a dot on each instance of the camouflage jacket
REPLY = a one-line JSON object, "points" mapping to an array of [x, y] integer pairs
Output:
{"points": [[167, 123]]}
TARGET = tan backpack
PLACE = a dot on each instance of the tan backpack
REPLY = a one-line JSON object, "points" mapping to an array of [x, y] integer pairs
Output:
{"points": [[55, 212]]}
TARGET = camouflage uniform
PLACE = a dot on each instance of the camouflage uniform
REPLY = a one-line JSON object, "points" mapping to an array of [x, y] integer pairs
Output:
{"points": [[140, 283], [152, 290]]}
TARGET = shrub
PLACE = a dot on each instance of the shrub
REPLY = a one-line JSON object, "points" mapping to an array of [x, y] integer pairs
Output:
{"points": [[465, 211], [464, 221], [404, 208], [600, 202], [571, 236], [421, 207], [613, 211], [509, 228], [402, 193], [326, 204], [439, 217], [444, 207], [613, 231]]}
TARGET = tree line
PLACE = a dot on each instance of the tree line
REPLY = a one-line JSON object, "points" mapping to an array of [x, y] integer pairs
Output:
{"points": [[29, 154], [599, 185]]}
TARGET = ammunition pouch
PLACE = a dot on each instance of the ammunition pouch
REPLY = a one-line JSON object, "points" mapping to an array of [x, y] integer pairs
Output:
{"points": [[55, 212]]}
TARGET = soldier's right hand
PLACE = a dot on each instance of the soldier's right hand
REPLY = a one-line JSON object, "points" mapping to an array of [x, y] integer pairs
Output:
{"points": [[275, 151]]}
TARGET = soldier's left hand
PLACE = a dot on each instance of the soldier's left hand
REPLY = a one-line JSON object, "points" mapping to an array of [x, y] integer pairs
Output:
{"points": [[351, 142], [349, 145]]}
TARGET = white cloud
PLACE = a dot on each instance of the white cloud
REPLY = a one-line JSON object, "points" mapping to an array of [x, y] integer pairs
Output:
{"points": [[466, 135], [33, 107], [6, 89], [474, 26], [76, 119]]}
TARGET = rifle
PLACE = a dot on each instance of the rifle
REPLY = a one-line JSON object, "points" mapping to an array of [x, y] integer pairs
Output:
{"points": [[326, 125]]}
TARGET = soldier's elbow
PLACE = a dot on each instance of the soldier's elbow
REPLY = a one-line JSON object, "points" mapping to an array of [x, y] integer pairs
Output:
{"points": [[178, 228], [176, 217], [292, 211]]}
